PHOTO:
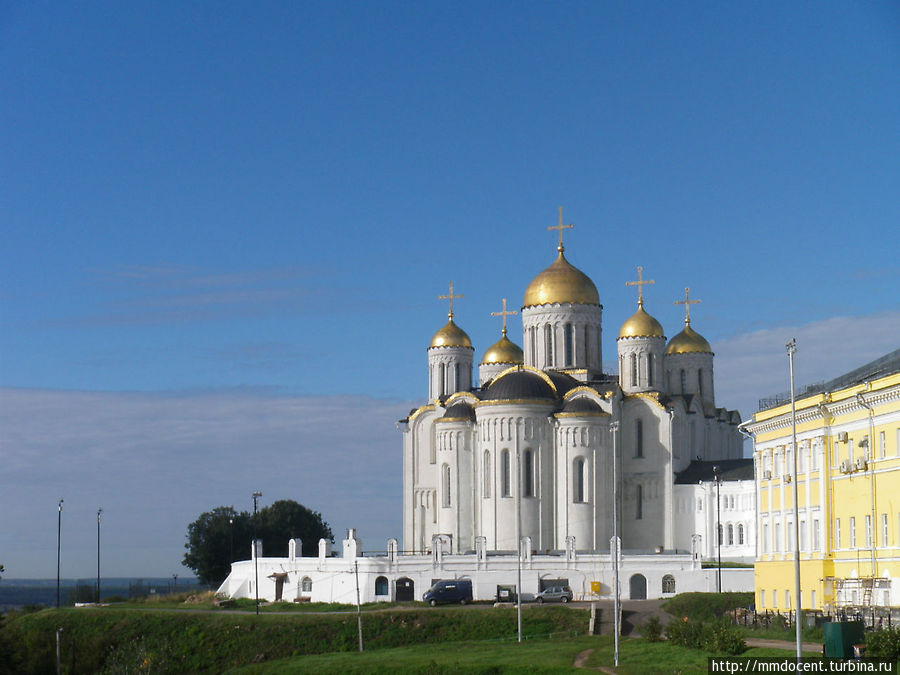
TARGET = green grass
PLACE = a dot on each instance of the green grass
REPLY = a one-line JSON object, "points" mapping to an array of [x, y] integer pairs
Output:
{"points": [[706, 606]]}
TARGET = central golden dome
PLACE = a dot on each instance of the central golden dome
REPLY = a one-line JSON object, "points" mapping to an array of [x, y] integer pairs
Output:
{"points": [[451, 335], [561, 283], [503, 351], [688, 341], [641, 324]]}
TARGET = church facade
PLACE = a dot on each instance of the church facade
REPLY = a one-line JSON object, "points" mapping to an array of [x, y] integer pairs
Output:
{"points": [[534, 448]]}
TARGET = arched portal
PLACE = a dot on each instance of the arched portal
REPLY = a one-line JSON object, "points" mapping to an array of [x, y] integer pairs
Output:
{"points": [[406, 590], [638, 587]]}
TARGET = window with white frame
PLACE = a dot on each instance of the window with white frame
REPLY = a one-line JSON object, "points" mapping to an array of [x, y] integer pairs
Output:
{"points": [[868, 531], [486, 474], [815, 534], [528, 473], [578, 469], [852, 531], [884, 529], [445, 485], [504, 474], [837, 533], [881, 448], [762, 598]]}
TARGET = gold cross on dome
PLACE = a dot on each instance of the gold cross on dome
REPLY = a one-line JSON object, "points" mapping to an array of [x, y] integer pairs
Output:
{"points": [[504, 314], [560, 227], [450, 297], [687, 302], [640, 284]]}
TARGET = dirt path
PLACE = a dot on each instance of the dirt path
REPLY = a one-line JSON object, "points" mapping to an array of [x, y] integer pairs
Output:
{"points": [[815, 647]]}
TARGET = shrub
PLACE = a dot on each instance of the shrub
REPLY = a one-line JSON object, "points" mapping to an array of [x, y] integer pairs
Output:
{"points": [[884, 643], [706, 606], [685, 633], [652, 629], [723, 639]]}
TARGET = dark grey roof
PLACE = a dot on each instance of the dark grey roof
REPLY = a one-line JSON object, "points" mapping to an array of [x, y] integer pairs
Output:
{"points": [[563, 382], [880, 367], [582, 405], [521, 384], [730, 469], [460, 409]]}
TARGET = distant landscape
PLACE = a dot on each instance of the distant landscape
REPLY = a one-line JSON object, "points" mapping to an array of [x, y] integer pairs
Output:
{"points": [[18, 593]]}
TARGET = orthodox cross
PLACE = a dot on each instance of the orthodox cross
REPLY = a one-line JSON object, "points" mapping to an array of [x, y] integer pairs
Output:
{"points": [[504, 314], [640, 284], [450, 297], [687, 302], [560, 227]]}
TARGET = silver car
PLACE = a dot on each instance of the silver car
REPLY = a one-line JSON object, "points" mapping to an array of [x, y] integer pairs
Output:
{"points": [[554, 594]]}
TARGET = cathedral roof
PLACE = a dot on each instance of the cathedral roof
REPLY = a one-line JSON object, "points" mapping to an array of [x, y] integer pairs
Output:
{"points": [[504, 351], [451, 335], [688, 341], [581, 406], [729, 469], [460, 410], [561, 283], [521, 383], [562, 381], [641, 324]]}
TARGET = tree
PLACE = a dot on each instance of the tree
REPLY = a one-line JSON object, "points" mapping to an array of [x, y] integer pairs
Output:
{"points": [[213, 537]]}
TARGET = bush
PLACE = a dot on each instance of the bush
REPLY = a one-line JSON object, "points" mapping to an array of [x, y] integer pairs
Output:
{"points": [[706, 606], [652, 629], [685, 633], [884, 643], [718, 638]]}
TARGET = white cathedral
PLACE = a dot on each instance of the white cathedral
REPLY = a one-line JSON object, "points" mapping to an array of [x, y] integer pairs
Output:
{"points": [[517, 476], [537, 436]]}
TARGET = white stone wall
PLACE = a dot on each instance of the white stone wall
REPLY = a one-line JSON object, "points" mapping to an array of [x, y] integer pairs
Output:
{"points": [[449, 371], [648, 373], [695, 507], [698, 368], [586, 322]]}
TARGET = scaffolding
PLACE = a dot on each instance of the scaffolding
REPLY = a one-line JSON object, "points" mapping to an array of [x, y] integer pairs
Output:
{"points": [[855, 591]]}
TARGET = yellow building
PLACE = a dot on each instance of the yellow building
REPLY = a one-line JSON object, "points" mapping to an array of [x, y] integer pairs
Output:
{"points": [[848, 480]]}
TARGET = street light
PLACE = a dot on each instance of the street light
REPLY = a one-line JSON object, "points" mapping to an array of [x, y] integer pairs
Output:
{"points": [[99, 511], [716, 471], [256, 496], [614, 428], [58, 538], [791, 348]]}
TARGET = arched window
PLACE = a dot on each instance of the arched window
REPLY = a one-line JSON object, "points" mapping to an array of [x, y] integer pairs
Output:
{"points": [[638, 438], [457, 385], [649, 370], [548, 345], [578, 481], [445, 485], [567, 333], [442, 372], [700, 381], [668, 583], [306, 585], [528, 473], [683, 381], [533, 332], [719, 528], [504, 473], [381, 586], [639, 503], [740, 534], [633, 359], [486, 474], [730, 534], [587, 352]]}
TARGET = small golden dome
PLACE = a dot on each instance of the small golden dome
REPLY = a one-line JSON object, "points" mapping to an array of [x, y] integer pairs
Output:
{"points": [[688, 341], [641, 324], [451, 335], [503, 351], [561, 283]]}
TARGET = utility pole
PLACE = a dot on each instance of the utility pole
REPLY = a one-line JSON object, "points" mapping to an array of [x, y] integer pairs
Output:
{"points": [[256, 496], [614, 428], [791, 348], [99, 511], [58, 539], [716, 472], [358, 609]]}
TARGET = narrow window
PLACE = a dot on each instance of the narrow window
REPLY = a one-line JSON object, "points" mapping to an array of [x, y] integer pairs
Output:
{"points": [[548, 346], [649, 370], [457, 386], [306, 585], [504, 475], [837, 533], [720, 531], [816, 545], [740, 534], [528, 471], [762, 598], [700, 381], [587, 347], [881, 451], [578, 481], [884, 529], [787, 599], [852, 532], [639, 503], [568, 344], [381, 586], [683, 382], [778, 542], [533, 331], [638, 438], [765, 541], [633, 360], [441, 379], [445, 473], [730, 534], [486, 474], [868, 531]]}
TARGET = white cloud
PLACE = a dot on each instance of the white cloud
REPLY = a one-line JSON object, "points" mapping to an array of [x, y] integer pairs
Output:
{"points": [[154, 462], [755, 365]]}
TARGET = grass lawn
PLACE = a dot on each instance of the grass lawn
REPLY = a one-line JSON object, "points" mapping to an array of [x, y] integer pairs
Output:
{"points": [[636, 657]]}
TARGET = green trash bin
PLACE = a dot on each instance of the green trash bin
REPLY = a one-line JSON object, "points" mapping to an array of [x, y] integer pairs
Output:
{"points": [[840, 636]]}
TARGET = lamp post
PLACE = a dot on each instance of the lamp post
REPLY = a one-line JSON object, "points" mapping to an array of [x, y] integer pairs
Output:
{"points": [[614, 428], [518, 539], [256, 496], [99, 511], [58, 539], [791, 348], [716, 471], [231, 540]]}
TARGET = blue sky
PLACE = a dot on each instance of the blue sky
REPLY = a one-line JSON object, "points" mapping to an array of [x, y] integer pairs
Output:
{"points": [[225, 228]]}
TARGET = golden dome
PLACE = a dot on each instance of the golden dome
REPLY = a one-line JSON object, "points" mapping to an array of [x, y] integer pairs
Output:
{"points": [[641, 324], [688, 341], [503, 351], [451, 335], [561, 283]]}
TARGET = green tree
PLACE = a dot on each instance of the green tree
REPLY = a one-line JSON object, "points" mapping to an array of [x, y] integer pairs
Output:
{"points": [[213, 537]]}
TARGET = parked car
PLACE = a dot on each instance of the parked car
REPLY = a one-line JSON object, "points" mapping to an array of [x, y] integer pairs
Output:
{"points": [[449, 590], [554, 594]]}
